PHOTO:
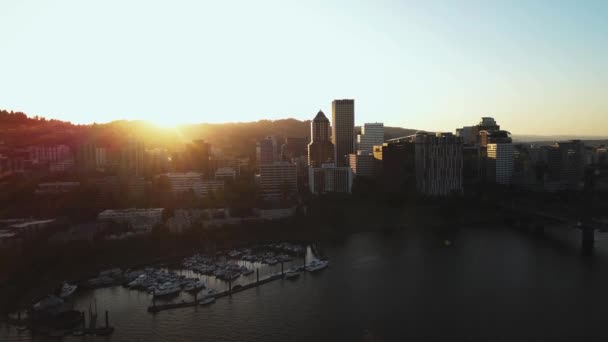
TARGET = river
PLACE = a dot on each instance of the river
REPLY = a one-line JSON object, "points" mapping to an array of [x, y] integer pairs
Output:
{"points": [[486, 284]]}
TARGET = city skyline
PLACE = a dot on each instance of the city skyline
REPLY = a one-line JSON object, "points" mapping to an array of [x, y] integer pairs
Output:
{"points": [[421, 66]]}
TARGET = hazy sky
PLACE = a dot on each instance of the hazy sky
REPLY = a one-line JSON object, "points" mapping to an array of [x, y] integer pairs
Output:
{"points": [[538, 67]]}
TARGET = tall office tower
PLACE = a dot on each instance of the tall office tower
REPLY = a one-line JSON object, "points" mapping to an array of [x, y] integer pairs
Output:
{"points": [[500, 159], [372, 134], [438, 164], [266, 150], [343, 130], [132, 158], [320, 149], [199, 156]]}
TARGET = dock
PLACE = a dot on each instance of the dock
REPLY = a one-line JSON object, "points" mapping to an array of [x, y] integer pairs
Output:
{"points": [[230, 291]]}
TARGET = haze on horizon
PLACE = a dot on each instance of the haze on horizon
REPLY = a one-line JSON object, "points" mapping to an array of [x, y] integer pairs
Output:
{"points": [[538, 67]]}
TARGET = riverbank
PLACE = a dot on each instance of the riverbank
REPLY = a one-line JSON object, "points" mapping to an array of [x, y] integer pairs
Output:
{"points": [[36, 275]]}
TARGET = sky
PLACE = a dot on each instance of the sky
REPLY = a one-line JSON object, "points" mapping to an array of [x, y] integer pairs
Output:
{"points": [[537, 67]]}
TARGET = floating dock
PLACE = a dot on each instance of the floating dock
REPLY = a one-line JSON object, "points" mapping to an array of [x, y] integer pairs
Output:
{"points": [[231, 291]]}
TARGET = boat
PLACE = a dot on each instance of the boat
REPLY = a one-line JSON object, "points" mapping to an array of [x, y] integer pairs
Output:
{"points": [[67, 290], [292, 275], [317, 265], [195, 286], [21, 328], [247, 272], [167, 291], [206, 301]]}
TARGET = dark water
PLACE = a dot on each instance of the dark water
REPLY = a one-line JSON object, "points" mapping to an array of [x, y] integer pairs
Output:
{"points": [[488, 285]]}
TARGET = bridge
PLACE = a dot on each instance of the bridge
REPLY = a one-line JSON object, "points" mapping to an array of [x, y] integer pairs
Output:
{"points": [[571, 216]]}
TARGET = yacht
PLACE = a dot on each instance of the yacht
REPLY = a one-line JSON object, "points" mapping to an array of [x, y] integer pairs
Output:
{"points": [[195, 286], [67, 290], [167, 291], [317, 265]]}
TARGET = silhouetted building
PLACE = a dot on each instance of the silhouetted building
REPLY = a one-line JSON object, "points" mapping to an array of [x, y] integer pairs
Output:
{"points": [[266, 151], [466, 133], [471, 167], [494, 137], [294, 147], [343, 130], [131, 159], [362, 164], [372, 134], [486, 124], [199, 152], [320, 149], [566, 165], [278, 180], [86, 157], [438, 164], [398, 165], [329, 178]]}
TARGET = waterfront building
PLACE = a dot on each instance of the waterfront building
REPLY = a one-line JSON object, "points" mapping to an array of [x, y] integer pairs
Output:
{"points": [[320, 149], [372, 134], [278, 180], [56, 187], [137, 219], [439, 164], [343, 130]]}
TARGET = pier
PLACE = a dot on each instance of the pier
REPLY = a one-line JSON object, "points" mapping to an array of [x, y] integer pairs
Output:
{"points": [[229, 292]]}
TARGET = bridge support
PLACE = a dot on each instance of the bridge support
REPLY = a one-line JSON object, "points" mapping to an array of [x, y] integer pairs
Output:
{"points": [[587, 239]]}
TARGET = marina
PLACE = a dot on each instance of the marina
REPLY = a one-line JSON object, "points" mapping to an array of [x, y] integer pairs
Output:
{"points": [[197, 280]]}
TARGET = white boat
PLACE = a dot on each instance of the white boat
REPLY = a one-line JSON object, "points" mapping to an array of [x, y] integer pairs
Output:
{"points": [[67, 290], [207, 301], [195, 286], [167, 291], [317, 265]]}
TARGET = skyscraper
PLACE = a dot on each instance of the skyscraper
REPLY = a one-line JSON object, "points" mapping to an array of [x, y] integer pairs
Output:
{"points": [[266, 150], [372, 134], [343, 130], [438, 164], [320, 149]]}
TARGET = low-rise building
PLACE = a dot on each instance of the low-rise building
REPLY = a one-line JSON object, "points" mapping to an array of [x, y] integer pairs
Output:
{"points": [[136, 219], [225, 173], [56, 187], [329, 178]]}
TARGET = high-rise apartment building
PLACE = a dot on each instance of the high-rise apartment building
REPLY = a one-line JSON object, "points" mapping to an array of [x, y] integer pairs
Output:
{"points": [[131, 158], [439, 164], [320, 149], [372, 134], [343, 130]]}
